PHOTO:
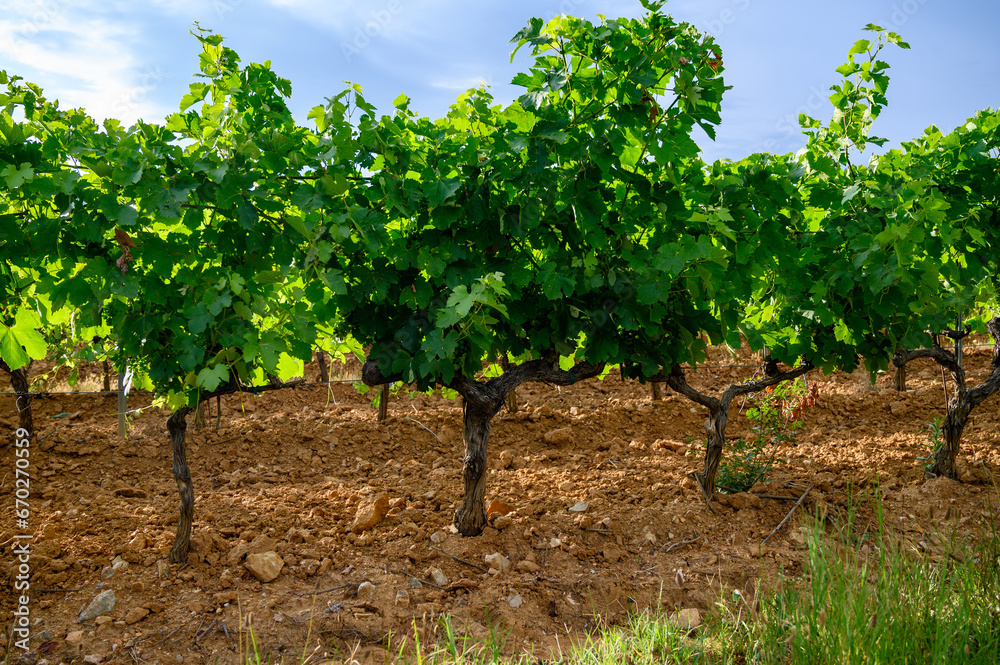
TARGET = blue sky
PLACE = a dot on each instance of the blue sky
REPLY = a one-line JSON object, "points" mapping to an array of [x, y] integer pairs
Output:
{"points": [[133, 58]]}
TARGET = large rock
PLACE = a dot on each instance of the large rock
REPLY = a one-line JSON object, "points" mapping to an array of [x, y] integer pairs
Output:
{"points": [[370, 513], [103, 603], [688, 619], [258, 545], [265, 567]]}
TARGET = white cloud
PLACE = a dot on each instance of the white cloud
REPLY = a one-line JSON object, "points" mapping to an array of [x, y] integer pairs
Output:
{"points": [[82, 56]]}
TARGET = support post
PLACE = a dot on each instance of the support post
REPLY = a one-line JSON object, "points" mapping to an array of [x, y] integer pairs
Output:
{"points": [[122, 407], [383, 402]]}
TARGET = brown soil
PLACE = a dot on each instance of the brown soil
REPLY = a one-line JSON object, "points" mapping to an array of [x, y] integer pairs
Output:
{"points": [[294, 466]]}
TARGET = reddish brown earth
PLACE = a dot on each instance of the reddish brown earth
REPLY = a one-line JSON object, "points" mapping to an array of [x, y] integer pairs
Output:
{"points": [[289, 470]]}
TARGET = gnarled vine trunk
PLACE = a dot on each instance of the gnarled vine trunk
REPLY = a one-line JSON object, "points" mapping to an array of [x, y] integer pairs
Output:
{"points": [[471, 515], [718, 413], [962, 403], [482, 401], [177, 426], [19, 383]]}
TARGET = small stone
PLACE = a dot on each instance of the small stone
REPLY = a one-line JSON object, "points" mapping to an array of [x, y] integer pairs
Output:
{"points": [[742, 500], [528, 566], [544, 411], [498, 561], [103, 603], [498, 508], [265, 567], [402, 598], [370, 513], [162, 569], [366, 590], [415, 583], [688, 619], [93, 659], [501, 522], [195, 606], [116, 564], [75, 637], [437, 576], [102, 620], [137, 544], [135, 615], [579, 507], [650, 537], [439, 537], [514, 600], [559, 437], [897, 408], [611, 554], [668, 444], [506, 459], [566, 486]]}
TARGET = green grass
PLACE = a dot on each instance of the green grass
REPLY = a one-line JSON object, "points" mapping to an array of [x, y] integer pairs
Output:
{"points": [[897, 604], [863, 597]]}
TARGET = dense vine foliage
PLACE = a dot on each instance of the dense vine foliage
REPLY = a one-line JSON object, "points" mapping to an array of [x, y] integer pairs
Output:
{"points": [[573, 229]]}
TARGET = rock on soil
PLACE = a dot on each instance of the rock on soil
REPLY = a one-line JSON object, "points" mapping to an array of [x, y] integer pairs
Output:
{"points": [[265, 567], [687, 619], [370, 514], [559, 437], [103, 603], [498, 508], [258, 545], [497, 561], [528, 566], [135, 615], [289, 473], [438, 577]]}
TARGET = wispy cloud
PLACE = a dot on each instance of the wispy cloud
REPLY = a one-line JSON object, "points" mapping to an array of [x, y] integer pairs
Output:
{"points": [[90, 55]]}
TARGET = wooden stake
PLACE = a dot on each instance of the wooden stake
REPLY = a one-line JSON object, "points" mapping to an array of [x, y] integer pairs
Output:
{"points": [[324, 373], [122, 407], [383, 402]]}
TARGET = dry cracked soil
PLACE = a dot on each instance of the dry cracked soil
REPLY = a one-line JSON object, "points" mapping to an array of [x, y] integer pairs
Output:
{"points": [[603, 521]]}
